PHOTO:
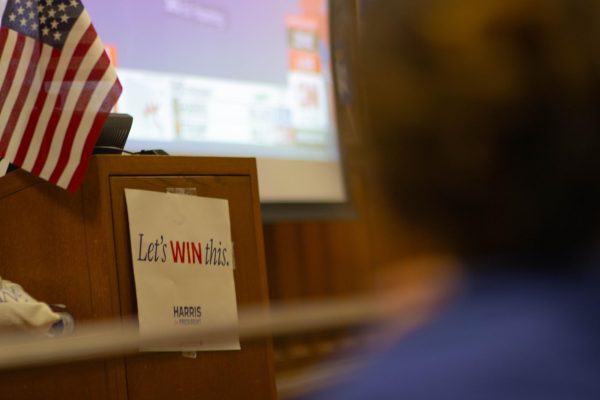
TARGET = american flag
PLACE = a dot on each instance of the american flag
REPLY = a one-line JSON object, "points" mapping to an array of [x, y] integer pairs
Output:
{"points": [[57, 87]]}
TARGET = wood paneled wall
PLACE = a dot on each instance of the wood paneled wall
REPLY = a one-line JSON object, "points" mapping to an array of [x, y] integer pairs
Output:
{"points": [[308, 260]]}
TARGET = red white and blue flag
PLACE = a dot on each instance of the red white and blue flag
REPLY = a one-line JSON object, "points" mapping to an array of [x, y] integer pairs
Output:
{"points": [[57, 87]]}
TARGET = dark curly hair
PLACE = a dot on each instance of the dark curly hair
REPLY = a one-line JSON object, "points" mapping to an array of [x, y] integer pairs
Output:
{"points": [[484, 121]]}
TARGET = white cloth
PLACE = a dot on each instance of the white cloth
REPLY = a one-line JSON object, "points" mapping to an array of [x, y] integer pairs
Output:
{"points": [[21, 312]]}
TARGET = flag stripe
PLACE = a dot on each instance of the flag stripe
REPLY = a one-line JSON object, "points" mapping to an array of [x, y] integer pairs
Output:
{"points": [[18, 138], [28, 135], [52, 88], [12, 70], [75, 105], [4, 164], [7, 44], [11, 86], [82, 100], [9, 121], [3, 36], [90, 141], [14, 77], [61, 104], [89, 128]]}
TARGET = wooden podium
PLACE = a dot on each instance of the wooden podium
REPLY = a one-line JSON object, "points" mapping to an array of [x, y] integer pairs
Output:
{"points": [[73, 249]]}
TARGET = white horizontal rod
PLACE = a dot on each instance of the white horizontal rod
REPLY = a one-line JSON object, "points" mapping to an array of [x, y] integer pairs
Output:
{"points": [[95, 340], [119, 337]]}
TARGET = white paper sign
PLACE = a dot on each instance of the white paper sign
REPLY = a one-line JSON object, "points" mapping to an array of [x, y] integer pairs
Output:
{"points": [[183, 266]]}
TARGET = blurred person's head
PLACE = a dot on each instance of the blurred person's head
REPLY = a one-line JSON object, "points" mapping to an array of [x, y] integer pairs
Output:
{"points": [[484, 122]]}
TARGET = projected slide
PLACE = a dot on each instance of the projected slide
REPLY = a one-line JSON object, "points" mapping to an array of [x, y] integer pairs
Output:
{"points": [[234, 77]]}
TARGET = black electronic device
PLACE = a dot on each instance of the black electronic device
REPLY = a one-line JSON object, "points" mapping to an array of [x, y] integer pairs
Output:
{"points": [[114, 134]]}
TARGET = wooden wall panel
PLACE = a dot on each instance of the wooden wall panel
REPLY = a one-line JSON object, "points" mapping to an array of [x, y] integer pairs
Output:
{"points": [[319, 259]]}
